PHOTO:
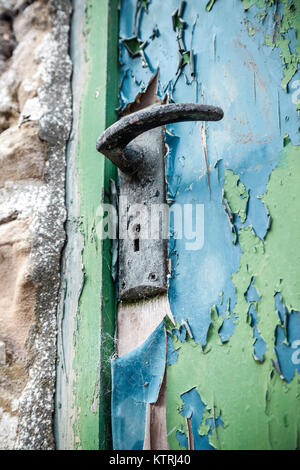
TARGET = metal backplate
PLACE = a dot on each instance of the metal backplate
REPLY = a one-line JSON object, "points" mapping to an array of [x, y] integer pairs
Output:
{"points": [[143, 221]]}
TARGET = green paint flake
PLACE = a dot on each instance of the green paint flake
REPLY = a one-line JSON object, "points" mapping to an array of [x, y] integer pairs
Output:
{"points": [[248, 4], [236, 194], [282, 244], [259, 3], [186, 58], [250, 28], [133, 45], [204, 427], [209, 5], [178, 22], [144, 4], [290, 61], [216, 324], [259, 409], [286, 140], [290, 19]]}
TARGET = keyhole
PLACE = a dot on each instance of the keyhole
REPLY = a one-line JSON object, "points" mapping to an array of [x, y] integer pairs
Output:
{"points": [[136, 230]]}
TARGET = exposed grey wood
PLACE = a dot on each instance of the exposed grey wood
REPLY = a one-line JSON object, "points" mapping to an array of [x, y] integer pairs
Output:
{"points": [[72, 274], [134, 325], [156, 437], [136, 321]]}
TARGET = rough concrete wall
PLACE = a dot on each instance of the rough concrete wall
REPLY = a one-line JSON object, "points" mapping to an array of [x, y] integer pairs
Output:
{"points": [[35, 119]]}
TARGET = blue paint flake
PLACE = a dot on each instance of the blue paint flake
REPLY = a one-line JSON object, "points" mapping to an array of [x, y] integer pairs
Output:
{"points": [[172, 353], [182, 439], [180, 333], [288, 345], [193, 408], [248, 141], [136, 381], [251, 294], [214, 423], [259, 347], [228, 326], [227, 329], [280, 307]]}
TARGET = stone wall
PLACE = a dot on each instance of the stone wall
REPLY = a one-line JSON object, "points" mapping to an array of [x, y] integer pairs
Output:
{"points": [[35, 121]]}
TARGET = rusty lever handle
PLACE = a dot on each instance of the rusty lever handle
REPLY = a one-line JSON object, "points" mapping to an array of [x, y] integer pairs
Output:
{"points": [[137, 148], [113, 142]]}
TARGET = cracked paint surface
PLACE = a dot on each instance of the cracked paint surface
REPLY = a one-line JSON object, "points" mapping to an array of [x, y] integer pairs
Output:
{"points": [[136, 377], [86, 312], [283, 18], [239, 356]]}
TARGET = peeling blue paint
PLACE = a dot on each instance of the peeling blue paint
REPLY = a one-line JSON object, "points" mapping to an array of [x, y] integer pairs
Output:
{"points": [[201, 275], [214, 423], [243, 75], [172, 142], [259, 346], [172, 353], [180, 333], [193, 408], [247, 140], [251, 294], [280, 307], [136, 381], [257, 216], [182, 439], [288, 346]]}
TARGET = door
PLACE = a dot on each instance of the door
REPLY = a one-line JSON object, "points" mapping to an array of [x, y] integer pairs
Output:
{"points": [[215, 362]]}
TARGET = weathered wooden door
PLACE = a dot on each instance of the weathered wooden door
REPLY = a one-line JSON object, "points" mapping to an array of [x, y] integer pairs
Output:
{"points": [[225, 373]]}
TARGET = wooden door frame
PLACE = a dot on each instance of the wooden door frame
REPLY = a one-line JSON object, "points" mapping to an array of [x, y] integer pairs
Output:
{"points": [[86, 315]]}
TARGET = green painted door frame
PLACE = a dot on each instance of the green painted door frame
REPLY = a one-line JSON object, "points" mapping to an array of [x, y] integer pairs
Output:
{"points": [[86, 317], [87, 311], [232, 360]]}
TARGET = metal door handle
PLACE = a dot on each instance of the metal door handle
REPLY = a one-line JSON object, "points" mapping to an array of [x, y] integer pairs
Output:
{"points": [[113, 142], [135, 144]]}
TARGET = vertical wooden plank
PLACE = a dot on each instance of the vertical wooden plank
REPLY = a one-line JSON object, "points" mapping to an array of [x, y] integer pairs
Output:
{"points": [[86, 335]]}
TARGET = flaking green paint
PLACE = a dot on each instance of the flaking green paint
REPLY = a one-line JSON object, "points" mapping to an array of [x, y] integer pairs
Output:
{"points": [[96, 312], [133, 45], [290, 19], [209, 5], [259, 409], [250, 28]]}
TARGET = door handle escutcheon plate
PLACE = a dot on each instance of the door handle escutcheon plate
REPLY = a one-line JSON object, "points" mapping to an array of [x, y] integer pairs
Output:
{"points": [[135, 144]]}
